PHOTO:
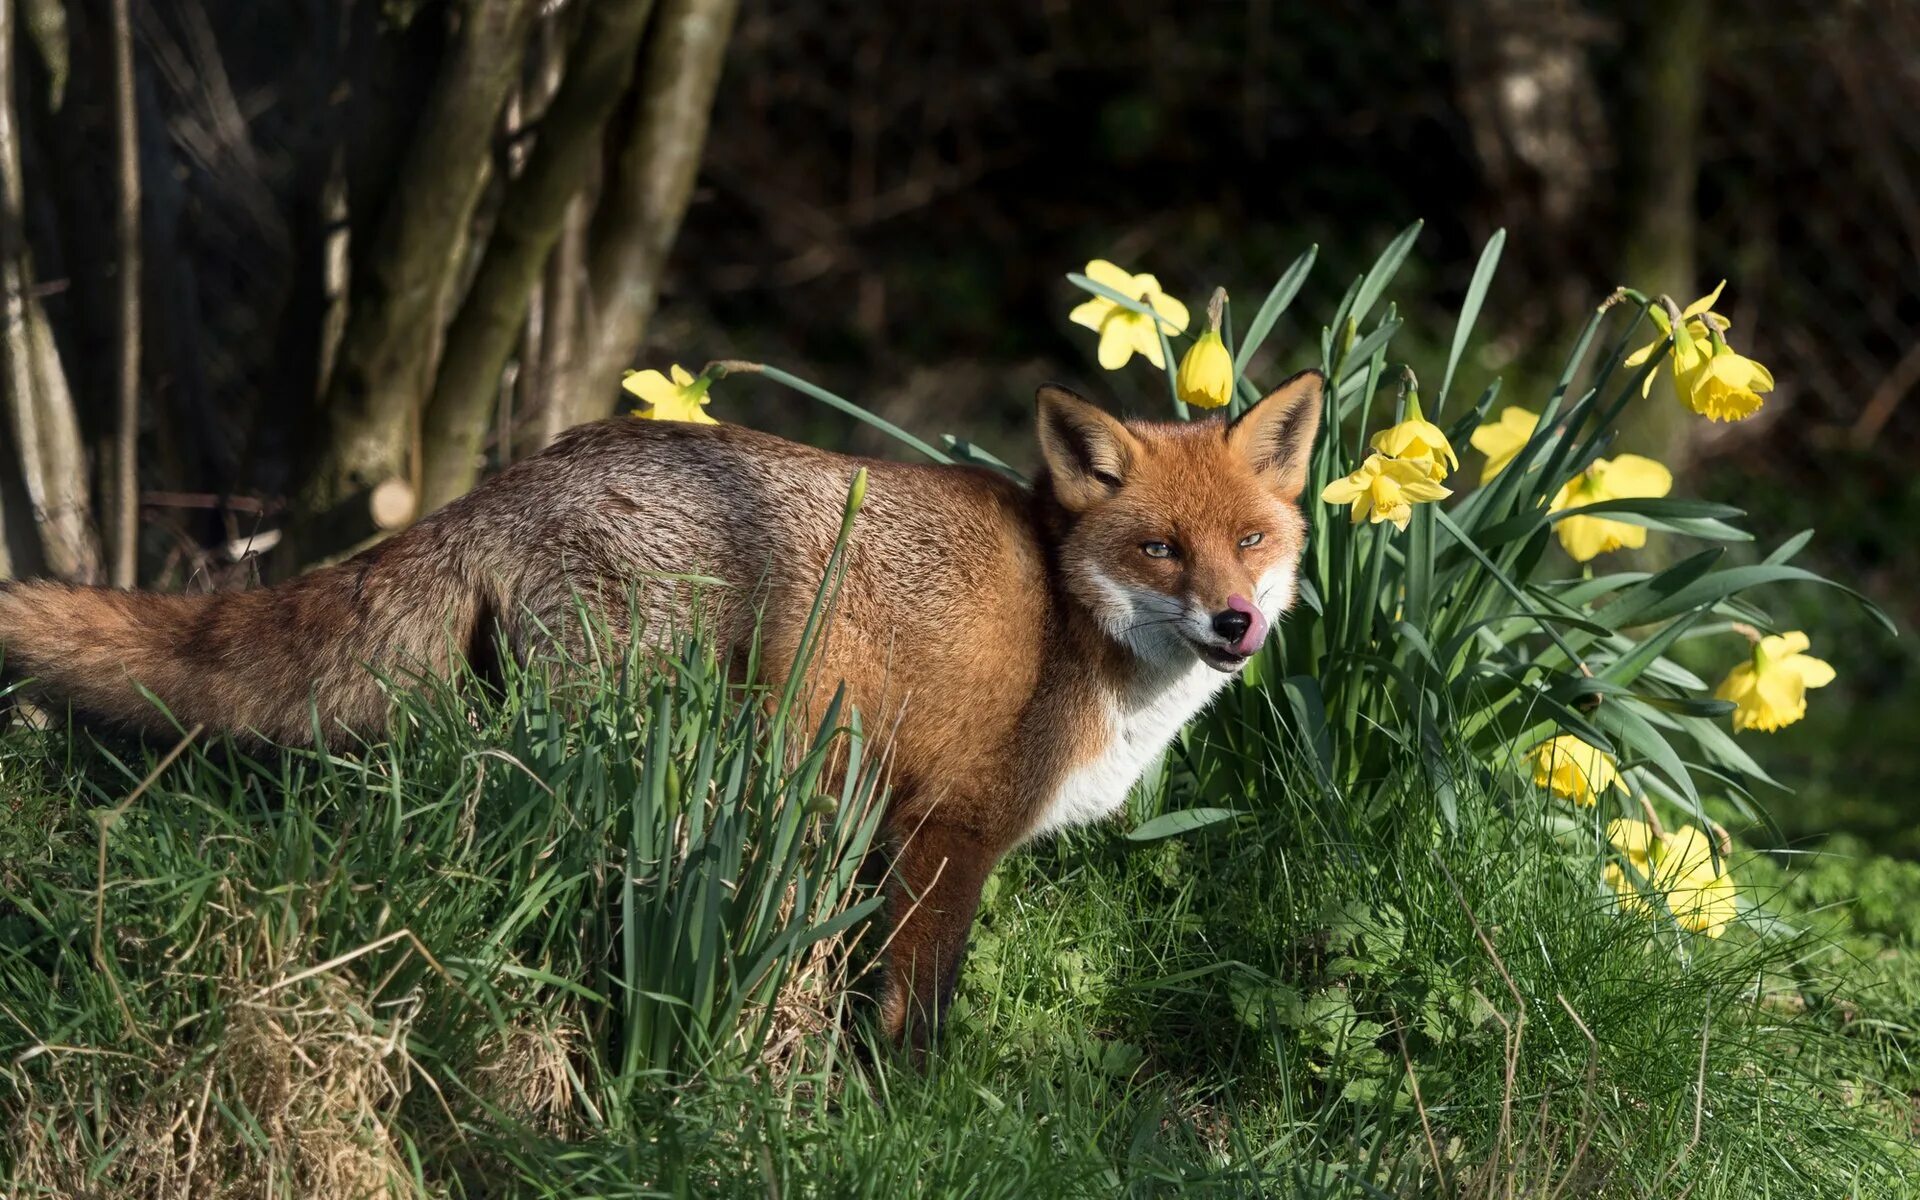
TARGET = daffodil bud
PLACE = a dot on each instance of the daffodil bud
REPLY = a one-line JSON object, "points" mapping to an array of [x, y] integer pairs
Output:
{"points": [[1205, 378], [857, 494]]}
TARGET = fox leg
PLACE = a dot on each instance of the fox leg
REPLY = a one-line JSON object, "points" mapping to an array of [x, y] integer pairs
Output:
{"points": [[933, 891]]}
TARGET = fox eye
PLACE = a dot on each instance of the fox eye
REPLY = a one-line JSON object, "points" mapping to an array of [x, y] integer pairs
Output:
{"points": [[1156, 549], [1252, 539]]}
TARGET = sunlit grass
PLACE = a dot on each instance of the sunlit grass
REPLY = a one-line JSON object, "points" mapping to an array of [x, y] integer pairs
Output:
{"points": [[411, 969]]}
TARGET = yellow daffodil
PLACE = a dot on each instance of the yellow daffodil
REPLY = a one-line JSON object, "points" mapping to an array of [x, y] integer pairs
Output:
{"points": [[1573, 769], [1385, 489], [1694, 318], [1418, 440], [1628, 476], [1635, 841], [1769, 691], [1205, 378], [1504, 439], [1123, 332], [1680, 868], [682, 398], [1724, 385]]}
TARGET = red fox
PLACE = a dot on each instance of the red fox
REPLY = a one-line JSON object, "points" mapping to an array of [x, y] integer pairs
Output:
{"points": [[1031, 650]]}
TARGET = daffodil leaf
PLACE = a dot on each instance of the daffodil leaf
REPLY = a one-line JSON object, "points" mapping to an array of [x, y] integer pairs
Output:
{"points": [[1520, 618], [1579, 592], [1652, 513], [1625, 609], [1688, 706], [1130, 303], [1375, 281], [1271, 309], [1184, 820], [1407, 635], [1310, 714], [1627, 667], [1790, 547], [853, 410], [1723, 584], [1618, 717], [1376, 340], [1470, 311], [1720, 746], [967, 452], [1512, 529], [1310, 596]]}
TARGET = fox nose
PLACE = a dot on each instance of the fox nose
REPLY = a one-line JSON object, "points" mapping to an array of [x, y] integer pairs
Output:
{"points": [[1242, 623], [1232, 624]]}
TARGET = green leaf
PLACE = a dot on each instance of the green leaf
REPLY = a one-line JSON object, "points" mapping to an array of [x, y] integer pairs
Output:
{"points": [[853, 410], [1671, 516], [1383, 270], [1470, 312], [1180, 821], [1273, 307]]}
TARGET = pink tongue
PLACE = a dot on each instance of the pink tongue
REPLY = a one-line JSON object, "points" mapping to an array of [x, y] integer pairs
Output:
{"points": [[1257, 626]]}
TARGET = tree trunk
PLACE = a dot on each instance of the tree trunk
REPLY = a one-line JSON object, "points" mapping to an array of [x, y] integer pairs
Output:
{"points": [[387, 352], [1663, 124], [531, 218], [565, 349], [646, 196], [33, 385]]}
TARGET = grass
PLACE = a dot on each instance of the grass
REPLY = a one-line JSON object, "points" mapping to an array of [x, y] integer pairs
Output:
{"points": [[428, 969]]}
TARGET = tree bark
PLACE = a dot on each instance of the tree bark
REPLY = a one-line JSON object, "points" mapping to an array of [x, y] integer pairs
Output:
{"points": [[125, 527], [1663, 134], [531, 219], [563, 352], [647, 194], [388, 350], [33, 385]]}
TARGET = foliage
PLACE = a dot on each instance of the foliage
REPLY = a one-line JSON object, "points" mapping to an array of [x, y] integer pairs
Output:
{"points": [[595, 883], [584, 934]]}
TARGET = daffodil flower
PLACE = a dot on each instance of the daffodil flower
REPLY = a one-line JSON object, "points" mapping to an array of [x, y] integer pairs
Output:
{"points": [[682, 398], [1769, 691], [1502, 441], [1694, 321], [1124, 332], [1205, 378], [1724, 385], [1680, 868], [1627, 477], [1385, 489], [1574, 769], [1418, 440]]}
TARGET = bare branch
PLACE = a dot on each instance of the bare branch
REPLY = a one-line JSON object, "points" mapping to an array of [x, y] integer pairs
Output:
{"points": [[33, 384], [125, 494]]}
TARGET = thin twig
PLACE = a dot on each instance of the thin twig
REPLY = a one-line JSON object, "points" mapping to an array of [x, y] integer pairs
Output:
{"points": [[126, 490]]}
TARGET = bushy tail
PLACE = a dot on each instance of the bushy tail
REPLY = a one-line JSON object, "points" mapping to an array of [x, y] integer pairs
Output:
{"points": [[255, 662]]}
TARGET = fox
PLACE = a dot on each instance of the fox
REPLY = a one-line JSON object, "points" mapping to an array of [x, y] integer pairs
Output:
{"points": [[1029, 649]]}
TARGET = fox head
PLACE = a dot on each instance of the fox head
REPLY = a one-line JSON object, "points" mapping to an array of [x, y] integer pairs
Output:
{"points": [[1182, 539]]}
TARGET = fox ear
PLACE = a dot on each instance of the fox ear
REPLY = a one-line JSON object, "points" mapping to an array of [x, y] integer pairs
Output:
{"points": [[1276, 435], [1088, 453]]}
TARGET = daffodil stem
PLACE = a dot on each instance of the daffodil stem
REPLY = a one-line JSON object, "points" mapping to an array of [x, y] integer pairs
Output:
{"points": [[1653, 818], [721, 369]]}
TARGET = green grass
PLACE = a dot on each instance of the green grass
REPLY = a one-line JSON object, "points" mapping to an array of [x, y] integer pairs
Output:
{"points": [[410, 969]]}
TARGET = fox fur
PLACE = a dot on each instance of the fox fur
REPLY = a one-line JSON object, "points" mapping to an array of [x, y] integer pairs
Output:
{"points": [[1031, 649]]}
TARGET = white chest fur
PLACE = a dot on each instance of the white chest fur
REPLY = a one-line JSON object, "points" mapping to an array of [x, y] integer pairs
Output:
{"points": [[1139, 724]]}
